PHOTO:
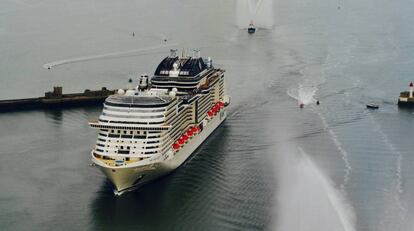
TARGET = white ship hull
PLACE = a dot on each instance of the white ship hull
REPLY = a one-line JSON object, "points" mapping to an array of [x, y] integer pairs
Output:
{"points": [[125, 178]]}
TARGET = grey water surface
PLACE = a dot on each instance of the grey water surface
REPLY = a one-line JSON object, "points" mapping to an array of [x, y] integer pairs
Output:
{"points": [[270, 166]]}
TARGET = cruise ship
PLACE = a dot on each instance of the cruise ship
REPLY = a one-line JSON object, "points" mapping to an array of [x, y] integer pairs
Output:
{"points": [[147, 131]]}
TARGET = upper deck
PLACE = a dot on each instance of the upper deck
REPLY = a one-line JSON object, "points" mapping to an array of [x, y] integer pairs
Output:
{"points": [[182, 67], [184, 73], [139, 99]]}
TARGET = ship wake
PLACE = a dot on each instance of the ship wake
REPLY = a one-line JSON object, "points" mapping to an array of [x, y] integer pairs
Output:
{"points": [[307, 199], [260, 12], [104, 56]]}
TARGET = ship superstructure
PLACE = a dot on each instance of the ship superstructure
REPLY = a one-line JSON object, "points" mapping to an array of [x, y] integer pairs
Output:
{"points": [[148, 131]]}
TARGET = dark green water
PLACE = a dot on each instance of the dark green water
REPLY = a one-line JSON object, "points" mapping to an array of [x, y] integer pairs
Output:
{"points": [[270, 166]]}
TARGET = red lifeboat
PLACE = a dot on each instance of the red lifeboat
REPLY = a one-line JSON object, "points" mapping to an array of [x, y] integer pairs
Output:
{"points": [[181, 141], [185, 137], [176, 146], [194, 130], [190, 132], [210, 113]]}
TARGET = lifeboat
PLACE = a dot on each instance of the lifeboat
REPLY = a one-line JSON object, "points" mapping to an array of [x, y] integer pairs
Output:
{"points": [[185, 138], [176, 146]]}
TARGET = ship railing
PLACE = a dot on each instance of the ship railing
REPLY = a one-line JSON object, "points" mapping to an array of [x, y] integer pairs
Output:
{"points": [[97, 125]]}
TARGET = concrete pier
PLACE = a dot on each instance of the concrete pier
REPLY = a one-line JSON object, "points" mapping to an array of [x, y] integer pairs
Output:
{"points": [[56, 99]]}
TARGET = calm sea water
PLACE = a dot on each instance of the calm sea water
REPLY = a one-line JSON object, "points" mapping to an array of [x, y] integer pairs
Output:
{"points": [[270, 166]]}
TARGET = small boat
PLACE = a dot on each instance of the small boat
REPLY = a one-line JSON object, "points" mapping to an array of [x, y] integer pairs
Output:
{"points": [[372, 106], [251, 29]]}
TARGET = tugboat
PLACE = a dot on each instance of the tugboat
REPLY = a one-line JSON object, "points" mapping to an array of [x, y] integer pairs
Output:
{"points": [[406, 98], [251, 29]]}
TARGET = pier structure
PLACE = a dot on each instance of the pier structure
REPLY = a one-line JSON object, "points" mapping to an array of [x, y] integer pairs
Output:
{"points": [[56, 99]]}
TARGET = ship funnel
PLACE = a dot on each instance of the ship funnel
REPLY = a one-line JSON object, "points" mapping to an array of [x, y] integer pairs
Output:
{"points": [[173, 53]]}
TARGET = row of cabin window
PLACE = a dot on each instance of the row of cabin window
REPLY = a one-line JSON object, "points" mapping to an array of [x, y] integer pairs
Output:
{"points": [[129, 147], [109, 158], [152, 152], [127, 136], [131, 142], [125, 132], [103, 127]]}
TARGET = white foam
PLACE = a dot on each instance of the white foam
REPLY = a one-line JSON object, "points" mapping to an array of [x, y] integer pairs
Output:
{"points": [[102, 56], [334, 137], [397, 189], [258, 11], [303, 94], [308, 200], [338, 144]]}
